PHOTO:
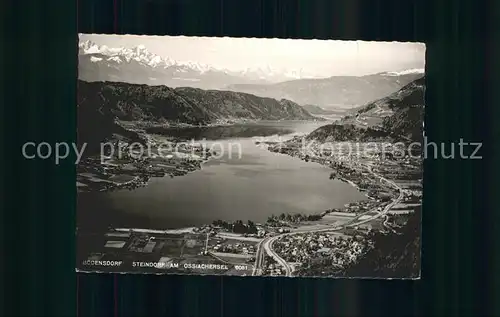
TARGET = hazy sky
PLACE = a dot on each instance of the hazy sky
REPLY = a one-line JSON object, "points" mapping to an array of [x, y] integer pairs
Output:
{"points": [[317, 57]]}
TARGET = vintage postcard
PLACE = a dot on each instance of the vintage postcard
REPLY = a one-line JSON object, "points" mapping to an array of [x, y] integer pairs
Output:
{"points": [[250, 157]]}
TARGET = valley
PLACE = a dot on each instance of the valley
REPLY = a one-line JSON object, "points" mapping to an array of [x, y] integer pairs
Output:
{"points": [[288, 244], [214, 156], [120, 114]]}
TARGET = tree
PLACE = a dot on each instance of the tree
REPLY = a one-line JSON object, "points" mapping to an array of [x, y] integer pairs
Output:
{"points": [[251, 228], [393, 255]]}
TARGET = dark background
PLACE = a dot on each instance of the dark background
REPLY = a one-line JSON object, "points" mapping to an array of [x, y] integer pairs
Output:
{"points": [[38, 88]]}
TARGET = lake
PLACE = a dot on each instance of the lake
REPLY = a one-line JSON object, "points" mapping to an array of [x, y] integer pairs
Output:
{"points": [[252, 186]]}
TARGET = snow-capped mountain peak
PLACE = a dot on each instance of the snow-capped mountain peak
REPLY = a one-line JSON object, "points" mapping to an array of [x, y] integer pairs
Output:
{"points": [[141, 55], [116, 59], [89, 47], [407, 72]]}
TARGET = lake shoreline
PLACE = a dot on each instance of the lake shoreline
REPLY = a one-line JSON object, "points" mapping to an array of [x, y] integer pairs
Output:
{"points": [[142, 172], [95, 175], [316, 216], [213, 234]]}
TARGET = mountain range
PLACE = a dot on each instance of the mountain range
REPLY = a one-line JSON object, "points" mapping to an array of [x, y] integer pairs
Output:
{"points": [[137, 65], [317, 110], [101, 105], [398, 116], [334, 92]]}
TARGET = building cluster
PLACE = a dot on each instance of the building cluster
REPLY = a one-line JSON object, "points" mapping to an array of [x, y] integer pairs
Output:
{"points": [[361, 206], [271, 268], [337, 249], [125, 162], [237, 248], [143, 244]]}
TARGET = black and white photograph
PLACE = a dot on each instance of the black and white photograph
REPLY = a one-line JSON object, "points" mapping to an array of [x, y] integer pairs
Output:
{"points": [[249, 156]]}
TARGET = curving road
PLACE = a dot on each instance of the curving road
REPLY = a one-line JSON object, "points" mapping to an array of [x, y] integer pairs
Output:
{"points": [[267, 243]]}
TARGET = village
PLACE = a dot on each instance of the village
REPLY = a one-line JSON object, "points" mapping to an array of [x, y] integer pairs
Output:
{"points": [[338, 250], [301, 240], [122, 167], [302, 250]]}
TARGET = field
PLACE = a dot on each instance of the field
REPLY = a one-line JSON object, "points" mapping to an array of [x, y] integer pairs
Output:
{"points": [[179, 245], [405, 184], [121, 178]]}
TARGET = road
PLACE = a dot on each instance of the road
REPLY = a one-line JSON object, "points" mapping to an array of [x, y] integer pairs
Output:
{"points": [[267, 243], [206, 243]]}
